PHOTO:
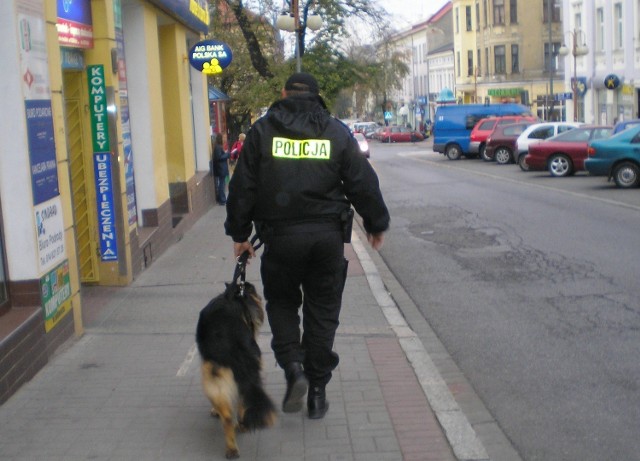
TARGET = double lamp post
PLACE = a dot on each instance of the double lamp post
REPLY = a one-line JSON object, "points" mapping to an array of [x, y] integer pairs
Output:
{"points": [[291, 22], [576, 50]]}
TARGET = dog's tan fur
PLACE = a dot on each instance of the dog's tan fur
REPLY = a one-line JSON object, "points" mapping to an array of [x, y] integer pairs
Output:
{"points": [[220, 385]]}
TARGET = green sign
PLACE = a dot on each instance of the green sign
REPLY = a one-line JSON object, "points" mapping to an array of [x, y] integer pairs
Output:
{"points": [[505, 92], [98, 108], [55, 288]]}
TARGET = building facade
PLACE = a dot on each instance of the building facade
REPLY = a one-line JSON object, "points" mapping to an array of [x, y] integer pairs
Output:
{"points": [[429, 53], [602, 58], [507, 51], [104, 163]]}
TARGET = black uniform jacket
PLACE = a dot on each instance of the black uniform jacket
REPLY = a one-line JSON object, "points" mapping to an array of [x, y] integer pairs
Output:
{"points": [[298, 165]]}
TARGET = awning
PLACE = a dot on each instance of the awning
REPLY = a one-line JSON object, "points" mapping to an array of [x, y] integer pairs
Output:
{"points": [[217, 95]]}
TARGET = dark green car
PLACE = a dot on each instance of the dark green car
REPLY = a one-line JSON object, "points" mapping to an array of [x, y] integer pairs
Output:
{"points": [[617, 157]]}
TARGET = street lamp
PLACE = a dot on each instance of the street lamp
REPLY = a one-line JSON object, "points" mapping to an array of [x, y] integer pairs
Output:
{"points": [[576, 50], [290, 21]]}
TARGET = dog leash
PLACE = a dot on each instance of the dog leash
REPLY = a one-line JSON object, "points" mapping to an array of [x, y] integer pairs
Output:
{"points": [[241, 265]]}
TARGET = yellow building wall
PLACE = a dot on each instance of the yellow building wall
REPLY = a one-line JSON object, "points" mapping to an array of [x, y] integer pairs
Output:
{"points": [[177, 102]]}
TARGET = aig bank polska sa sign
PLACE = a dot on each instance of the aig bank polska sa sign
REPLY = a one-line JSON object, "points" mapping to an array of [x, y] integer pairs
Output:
{"points": [[210, 56]]}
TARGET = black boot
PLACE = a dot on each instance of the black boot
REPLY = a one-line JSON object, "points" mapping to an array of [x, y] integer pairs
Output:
{"points": [[317, 402], [297, 385]]}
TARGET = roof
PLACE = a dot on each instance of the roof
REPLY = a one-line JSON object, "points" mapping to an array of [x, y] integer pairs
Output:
{"points": [[217, 95]]}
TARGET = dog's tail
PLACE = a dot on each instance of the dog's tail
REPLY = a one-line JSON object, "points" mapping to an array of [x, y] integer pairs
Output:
{"points": [[259, 410]]}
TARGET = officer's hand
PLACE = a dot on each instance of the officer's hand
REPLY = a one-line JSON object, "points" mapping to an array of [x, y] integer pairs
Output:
{"points": [[239, 248], [376, 240]]}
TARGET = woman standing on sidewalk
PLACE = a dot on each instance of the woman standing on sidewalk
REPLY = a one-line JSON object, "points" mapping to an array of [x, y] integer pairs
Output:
{"points": [[220, 169]]}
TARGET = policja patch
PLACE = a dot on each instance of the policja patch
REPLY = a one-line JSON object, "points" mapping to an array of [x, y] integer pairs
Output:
{"points": [[319, 149]]}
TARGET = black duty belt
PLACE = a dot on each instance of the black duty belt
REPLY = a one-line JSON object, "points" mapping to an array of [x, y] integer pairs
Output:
{"points": [[300, 228]]}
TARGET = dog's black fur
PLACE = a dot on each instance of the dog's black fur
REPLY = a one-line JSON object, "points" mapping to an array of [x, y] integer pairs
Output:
{"points": [[231, 362]]}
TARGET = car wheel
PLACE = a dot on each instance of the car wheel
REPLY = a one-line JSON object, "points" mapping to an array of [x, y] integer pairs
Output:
{"points": [[481, 152], [560, 165], [453, 152], [522, 163], [626, 175], [483, 155], [503, 155]]}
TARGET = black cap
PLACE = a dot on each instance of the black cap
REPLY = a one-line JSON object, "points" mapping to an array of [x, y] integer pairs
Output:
{"points": [[301, 81]]}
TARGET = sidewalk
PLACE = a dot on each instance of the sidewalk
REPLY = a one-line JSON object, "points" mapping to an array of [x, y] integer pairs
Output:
{"points": [[129, 389]]}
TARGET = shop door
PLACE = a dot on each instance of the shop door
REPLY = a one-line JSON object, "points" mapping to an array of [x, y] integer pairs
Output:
{"points": [[81, 170]]}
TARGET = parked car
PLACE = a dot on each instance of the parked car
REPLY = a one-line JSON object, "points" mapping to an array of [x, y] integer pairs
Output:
{"points": [[539, 132], [362, 143], [484, 127], [565, 153], [453, 124], [396, 133], [501, 143], [623, 125], [617, 157], [365, 127]]}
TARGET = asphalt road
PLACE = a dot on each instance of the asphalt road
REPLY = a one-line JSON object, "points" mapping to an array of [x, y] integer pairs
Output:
{"points": [[531, 283]]}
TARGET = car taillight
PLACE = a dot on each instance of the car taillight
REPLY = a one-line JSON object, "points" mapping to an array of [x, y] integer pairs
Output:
{"points": [[591, 152]]}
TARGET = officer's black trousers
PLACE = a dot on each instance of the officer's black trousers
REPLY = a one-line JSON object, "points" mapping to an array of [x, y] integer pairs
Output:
{"points": [[307, 269]]}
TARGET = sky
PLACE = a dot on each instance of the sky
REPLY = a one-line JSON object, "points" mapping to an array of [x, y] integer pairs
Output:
{"points": [[411, 12]]}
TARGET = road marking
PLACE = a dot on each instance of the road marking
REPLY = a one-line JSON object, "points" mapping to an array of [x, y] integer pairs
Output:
{"points": [[188, 360]]}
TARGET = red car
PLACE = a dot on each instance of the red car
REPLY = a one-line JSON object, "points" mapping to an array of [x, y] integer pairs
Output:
{"points": [[564, 154], [484, 127], [395, 133], [501, 143]]}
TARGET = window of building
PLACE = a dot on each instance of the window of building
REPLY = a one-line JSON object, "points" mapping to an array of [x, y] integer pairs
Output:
{"points": [[500, 59], [486, 60], [468, 18], [478, 15], [498, 12], [555, 10], [513, 11], [551, 61], [457, 20], [478, 63], [469, 63], [599, 29], [484, 11], [618, 26], [515, 59]]}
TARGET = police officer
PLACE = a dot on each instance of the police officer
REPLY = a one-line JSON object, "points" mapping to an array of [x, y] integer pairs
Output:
{"points": [[299, 173]]}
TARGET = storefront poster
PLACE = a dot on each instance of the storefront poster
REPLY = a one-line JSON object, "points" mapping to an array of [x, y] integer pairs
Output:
{"points": [[75, 28], [50, 234], [132, 212], [42, 150], [55, 290]]}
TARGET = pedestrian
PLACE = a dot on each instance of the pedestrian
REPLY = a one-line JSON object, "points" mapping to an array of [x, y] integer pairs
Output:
{"points": [[220, 169], [299, 173], [235, 152]]}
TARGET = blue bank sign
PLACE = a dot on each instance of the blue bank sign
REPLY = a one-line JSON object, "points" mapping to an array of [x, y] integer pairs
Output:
{"points": [[210, 56]]}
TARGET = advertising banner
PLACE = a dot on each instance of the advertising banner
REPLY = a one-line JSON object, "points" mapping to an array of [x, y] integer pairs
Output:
{"points": [[50, 234], [55, 288]]}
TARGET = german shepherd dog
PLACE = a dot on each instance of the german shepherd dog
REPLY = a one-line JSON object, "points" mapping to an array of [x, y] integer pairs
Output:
{"points": [[231, 362]]}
